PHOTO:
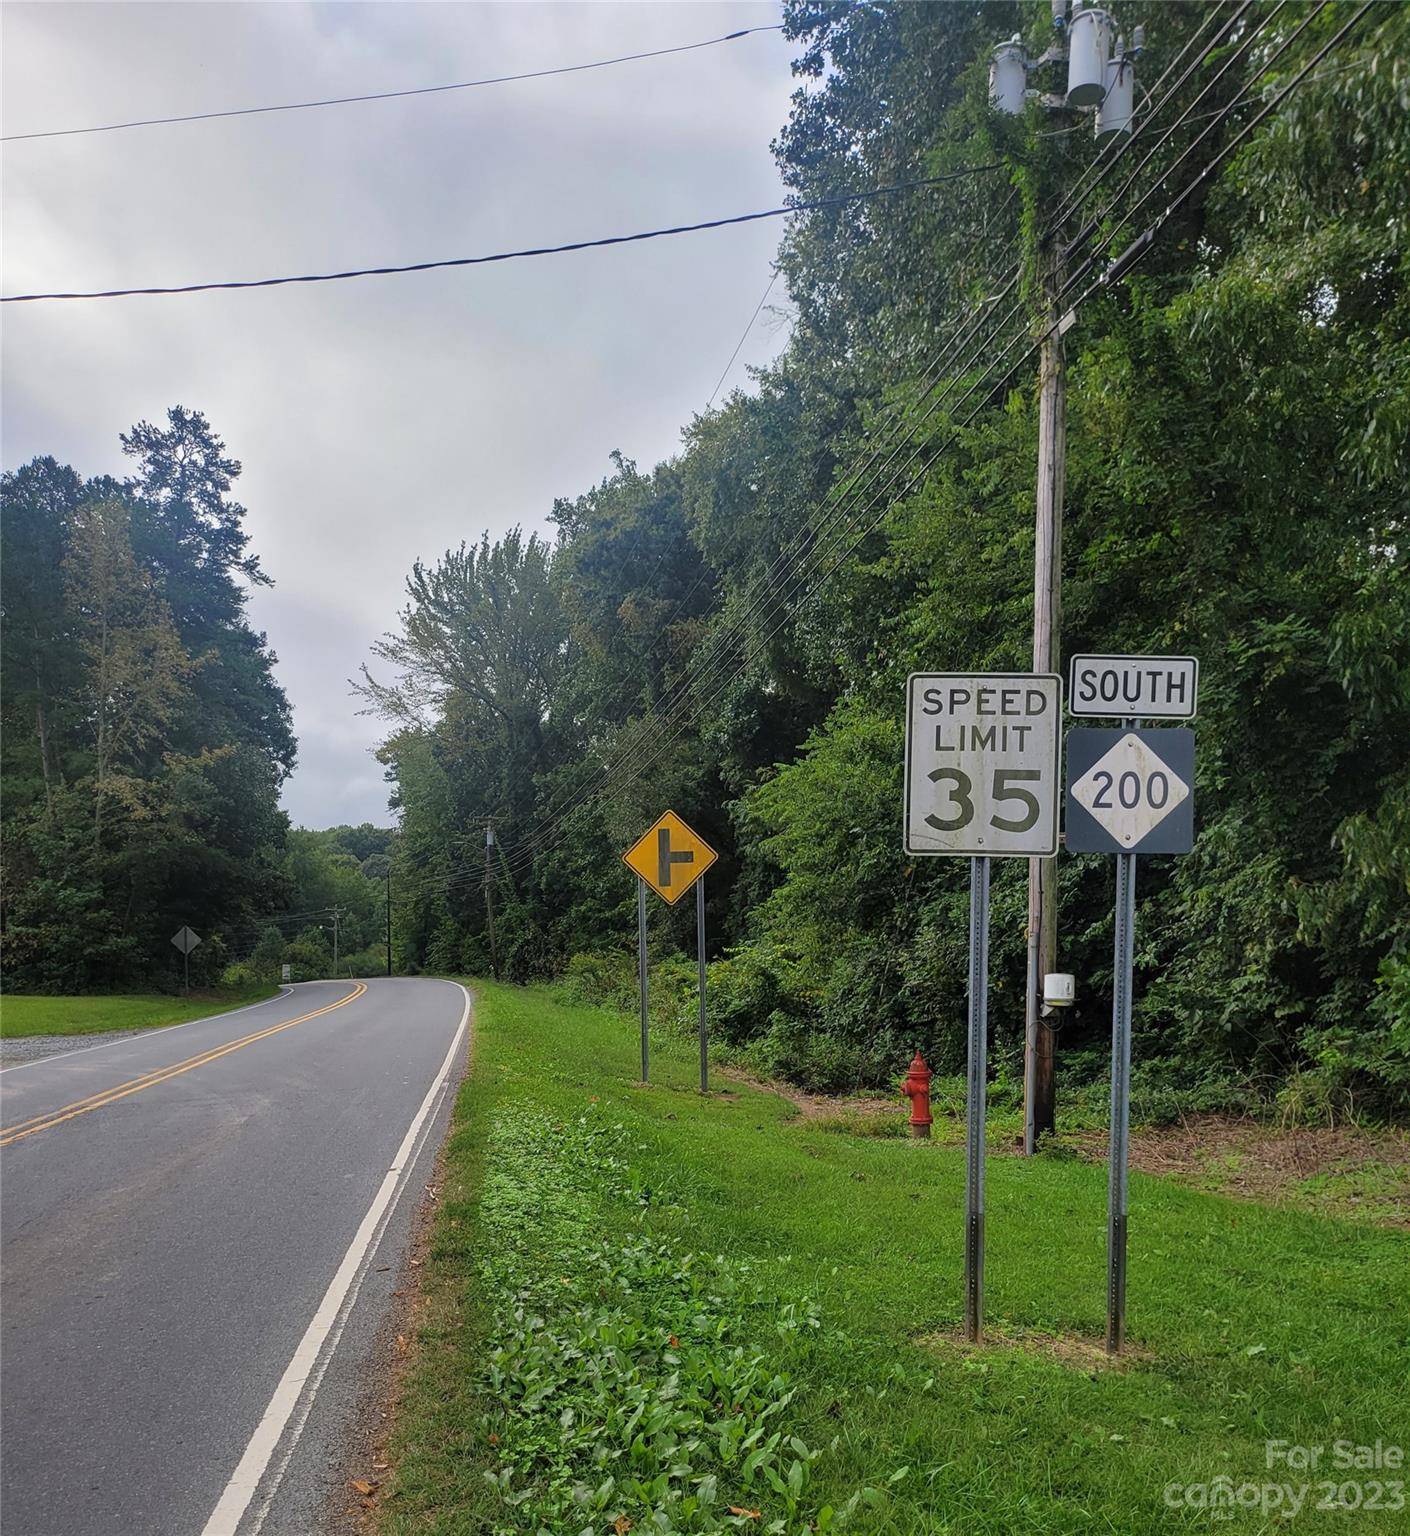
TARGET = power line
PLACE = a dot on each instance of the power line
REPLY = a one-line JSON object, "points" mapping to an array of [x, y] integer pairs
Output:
{"points": [[834, 523], [758, 308], [423, 90], [547, 834], [697, 681], [543, 843], [637, 736], [544, 250]]}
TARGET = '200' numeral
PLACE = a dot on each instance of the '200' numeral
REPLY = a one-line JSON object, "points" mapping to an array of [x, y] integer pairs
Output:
{"points": [[962, 790], [1129, 789]]}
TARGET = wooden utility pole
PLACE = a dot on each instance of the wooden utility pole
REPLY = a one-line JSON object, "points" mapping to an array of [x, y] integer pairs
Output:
{"points": [[489, 897], [1038, 1088], [389, 919]]}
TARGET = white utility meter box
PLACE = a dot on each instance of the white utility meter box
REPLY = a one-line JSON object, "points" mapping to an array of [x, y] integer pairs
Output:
{"points": [[1059, 989]]}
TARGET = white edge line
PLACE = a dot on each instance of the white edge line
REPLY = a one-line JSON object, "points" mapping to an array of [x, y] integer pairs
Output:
{"points": [[130, 1035], [271, 1482], [244, 1482]]}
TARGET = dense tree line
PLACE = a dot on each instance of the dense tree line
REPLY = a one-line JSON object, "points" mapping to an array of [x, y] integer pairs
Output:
{"points": [[145, 735], [1239, 419], [334, 923]]}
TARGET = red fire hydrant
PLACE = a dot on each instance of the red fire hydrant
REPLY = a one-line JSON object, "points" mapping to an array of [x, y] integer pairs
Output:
{"points": [[916, 1088]]}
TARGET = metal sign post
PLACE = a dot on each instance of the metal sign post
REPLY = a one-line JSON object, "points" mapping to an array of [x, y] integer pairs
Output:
{"points": [[1129, 791], [1120, 1102], [975, 1097], [670, 858], [700, 970], [185, 940], [981, 781], [641, 974]]}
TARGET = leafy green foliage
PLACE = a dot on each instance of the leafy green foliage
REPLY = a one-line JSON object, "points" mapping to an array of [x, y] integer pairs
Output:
{"points": [[623, 1377]]}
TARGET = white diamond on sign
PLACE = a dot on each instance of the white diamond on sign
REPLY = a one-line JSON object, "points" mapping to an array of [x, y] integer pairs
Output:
{"points": [[185, 940], [1130, 790]]}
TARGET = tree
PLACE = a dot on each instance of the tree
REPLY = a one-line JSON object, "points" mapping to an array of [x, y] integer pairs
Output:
{"points": [[135, 669], [38, 654]]}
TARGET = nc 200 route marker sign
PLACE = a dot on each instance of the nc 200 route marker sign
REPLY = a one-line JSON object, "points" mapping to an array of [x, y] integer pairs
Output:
{"points": [[1129, 792]]}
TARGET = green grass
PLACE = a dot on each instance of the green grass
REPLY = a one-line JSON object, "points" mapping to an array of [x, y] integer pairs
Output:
{"points": [[646, 1306], [22, 1015]]}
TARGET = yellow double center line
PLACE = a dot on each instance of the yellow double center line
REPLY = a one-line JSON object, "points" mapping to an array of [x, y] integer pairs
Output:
{"points": [[160, 1074]]}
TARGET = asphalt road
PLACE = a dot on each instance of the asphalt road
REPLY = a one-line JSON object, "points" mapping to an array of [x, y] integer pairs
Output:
{"points": [[200, 1229]]}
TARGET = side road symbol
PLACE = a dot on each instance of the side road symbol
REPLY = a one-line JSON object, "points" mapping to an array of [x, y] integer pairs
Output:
{"points": [[665, 857], [669, 857]]}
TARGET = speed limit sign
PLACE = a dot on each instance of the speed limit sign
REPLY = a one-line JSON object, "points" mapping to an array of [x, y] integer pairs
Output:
{"points": [[982, 764], [982, 783]]}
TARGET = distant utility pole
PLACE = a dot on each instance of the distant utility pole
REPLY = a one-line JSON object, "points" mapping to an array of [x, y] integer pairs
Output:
{"points": [[489, 896], [389, 919], [1100, 78], [337, 915]]}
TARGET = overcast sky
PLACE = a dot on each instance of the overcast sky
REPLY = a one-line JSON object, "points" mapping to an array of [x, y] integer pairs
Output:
{"points": [[386, 418]]}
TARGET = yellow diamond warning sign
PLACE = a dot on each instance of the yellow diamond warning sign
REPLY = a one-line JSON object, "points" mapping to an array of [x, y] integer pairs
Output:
{"points": [[670, 857]]}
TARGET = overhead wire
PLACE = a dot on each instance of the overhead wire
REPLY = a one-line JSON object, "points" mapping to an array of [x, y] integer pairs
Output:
{"points": [[758, 310], [550, 834], [819, 534], [421, 90], [399, 269], [624, 748], [822, 577], [839, 489], [698, 682]]}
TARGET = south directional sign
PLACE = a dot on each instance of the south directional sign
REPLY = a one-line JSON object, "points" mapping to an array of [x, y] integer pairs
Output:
{"points": [[670, 857], [1137, 687], [982, 764], [1130, 791]]}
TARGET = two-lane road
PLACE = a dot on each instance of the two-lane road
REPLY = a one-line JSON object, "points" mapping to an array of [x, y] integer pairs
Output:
{"points": [[199, 1231]]}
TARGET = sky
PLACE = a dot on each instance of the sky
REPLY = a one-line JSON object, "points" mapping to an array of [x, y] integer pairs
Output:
{"points": [[383, 419]]}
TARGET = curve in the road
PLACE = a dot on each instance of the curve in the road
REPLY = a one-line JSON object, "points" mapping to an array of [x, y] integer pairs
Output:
{"points": [[43, 1122]]}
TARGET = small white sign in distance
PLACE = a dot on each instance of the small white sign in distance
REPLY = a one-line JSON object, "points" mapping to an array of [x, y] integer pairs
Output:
{"points": [[1139, 687], [982, 773], [1130, 790], [185, 940]]}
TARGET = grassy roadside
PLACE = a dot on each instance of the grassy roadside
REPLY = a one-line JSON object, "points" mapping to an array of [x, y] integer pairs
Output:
{"points": [[649, 1311], [21, 1016]]}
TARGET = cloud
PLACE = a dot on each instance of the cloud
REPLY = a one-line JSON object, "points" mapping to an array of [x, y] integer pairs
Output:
{"points": [[383, 419]]}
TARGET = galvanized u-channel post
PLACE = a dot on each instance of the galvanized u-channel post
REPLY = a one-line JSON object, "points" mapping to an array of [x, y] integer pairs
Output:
{"points": [[641, 969], [974, 1126], [700, 968], [1117, 1158]]}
